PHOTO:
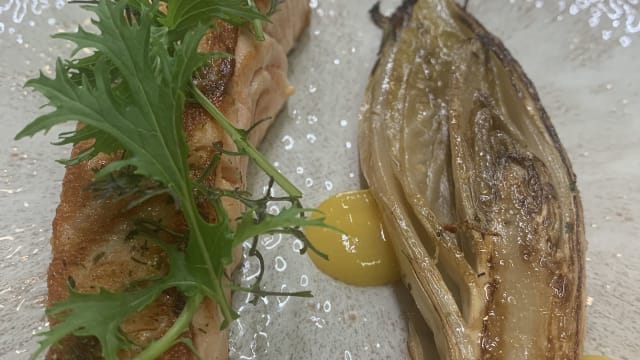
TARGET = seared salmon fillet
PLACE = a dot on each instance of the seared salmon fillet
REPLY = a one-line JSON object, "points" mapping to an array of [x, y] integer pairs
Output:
{"points": [[94, 242]]}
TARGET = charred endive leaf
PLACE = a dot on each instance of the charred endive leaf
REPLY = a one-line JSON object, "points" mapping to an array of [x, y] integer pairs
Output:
{"points": [[477, 192]]}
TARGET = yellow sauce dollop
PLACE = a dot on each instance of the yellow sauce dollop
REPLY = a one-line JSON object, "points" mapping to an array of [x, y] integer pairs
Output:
{"points": [[362, 255], [595, 357]]}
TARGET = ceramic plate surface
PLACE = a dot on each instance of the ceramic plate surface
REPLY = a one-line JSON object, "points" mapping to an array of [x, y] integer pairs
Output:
{"points": [[582, 56]]}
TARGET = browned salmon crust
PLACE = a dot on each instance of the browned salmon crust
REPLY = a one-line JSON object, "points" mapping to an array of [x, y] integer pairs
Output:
{"points": [[94, 242]]}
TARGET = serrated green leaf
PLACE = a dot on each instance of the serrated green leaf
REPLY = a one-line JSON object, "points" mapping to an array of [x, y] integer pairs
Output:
{"points": [[102, 142], [98, 315], [184, 14], [289, 217], [101, 314], [150, 126]]}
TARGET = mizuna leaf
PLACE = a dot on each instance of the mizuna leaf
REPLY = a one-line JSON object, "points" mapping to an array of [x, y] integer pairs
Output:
{"points": [[98, 315], [290, 217]]}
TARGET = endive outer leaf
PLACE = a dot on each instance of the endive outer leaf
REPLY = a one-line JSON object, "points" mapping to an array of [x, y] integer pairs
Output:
{"points": [[476, 190]]}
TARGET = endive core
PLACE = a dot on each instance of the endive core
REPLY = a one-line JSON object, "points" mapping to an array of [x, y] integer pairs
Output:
{"points": [[362, 255]]}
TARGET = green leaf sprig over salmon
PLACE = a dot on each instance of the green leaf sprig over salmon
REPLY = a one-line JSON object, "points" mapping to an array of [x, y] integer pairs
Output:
{"points": [[153, 205]]}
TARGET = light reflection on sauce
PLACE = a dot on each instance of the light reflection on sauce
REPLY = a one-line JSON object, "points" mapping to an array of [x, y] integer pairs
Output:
{"points": [[362, 256]]}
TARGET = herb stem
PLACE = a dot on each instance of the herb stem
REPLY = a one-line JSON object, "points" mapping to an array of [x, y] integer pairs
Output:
{"points": [[244, 145], [158, 347], [305, 294], [257, 23]]}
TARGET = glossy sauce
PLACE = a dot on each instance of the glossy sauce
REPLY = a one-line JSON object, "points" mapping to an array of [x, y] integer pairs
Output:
{"points": [[361, 256]]}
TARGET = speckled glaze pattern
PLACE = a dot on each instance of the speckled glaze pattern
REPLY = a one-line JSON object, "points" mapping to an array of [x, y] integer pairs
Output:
{"points": [[580, 54]]}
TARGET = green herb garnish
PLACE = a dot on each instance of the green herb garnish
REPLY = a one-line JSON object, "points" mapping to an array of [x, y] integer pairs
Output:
{"points": [[130, 94]]}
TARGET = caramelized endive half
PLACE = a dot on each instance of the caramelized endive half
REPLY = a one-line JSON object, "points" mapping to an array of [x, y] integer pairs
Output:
{"points": [[477, 192]]}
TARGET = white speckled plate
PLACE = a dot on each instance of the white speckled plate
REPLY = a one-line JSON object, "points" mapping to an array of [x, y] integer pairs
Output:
{"points": [[582, 55]]}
